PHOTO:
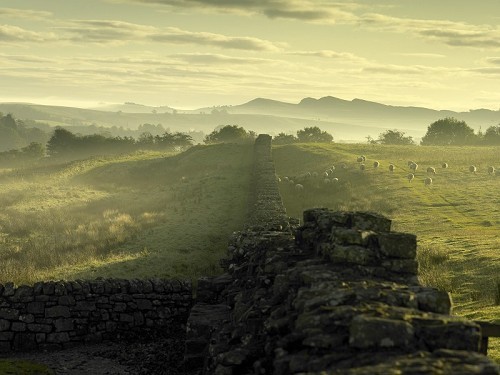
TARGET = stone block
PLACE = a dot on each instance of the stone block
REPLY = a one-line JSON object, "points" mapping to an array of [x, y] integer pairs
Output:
{"points": [[35, 327], [398, 245], [351, 254], [66, 300], [18, 327], [57, 312], [373, 332], [370, 221], [4, 325], [10, 314], [409, 266], [64, 325]]}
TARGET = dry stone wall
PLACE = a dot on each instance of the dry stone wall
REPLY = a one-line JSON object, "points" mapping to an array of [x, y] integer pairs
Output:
{"points": [[336, 295], [52, 315]]}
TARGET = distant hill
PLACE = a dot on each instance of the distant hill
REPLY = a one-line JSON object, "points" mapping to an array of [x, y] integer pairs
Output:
{"points": [[351, 120]]}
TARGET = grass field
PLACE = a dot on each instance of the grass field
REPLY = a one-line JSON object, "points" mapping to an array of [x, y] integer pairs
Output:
{"points": [[456, 219], [146, 214]]}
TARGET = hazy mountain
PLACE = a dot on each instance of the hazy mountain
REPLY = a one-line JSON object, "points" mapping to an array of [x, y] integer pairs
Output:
{"points": [[345, 119]]}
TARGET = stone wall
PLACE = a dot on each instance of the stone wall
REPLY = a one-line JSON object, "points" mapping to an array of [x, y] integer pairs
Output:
{"points": [[337, 295], [51, 315]]}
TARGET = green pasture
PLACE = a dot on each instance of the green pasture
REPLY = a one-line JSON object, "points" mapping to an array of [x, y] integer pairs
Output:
{"points": [[145, 214], [456, 219]]}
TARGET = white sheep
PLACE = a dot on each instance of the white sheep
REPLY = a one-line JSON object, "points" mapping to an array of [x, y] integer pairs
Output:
{"points": [[335, 180], [431, 170], [326, 181], [363, 157], [344, 166], [410, 177], [376, 164], [414, 167], [299, 188], [473, 169], [362, 167], [491, 169], [444, 165], [410, 162], [391, 168], [286, 179], [428, 181], [359, 159]]}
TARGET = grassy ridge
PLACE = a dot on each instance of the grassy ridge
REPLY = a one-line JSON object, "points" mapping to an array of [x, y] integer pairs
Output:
{"points": [[456, 219], [145, 214]]}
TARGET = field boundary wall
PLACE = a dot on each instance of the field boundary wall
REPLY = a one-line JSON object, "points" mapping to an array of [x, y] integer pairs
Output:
{"points": [[338, 294], [57, 314]]}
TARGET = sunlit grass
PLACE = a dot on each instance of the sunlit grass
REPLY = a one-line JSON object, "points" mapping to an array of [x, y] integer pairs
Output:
{"points": [[456, 219], [146, 214]]}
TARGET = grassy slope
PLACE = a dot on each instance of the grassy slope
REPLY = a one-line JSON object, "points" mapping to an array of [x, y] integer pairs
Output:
{"points": [[139, 215], [456, 219]]}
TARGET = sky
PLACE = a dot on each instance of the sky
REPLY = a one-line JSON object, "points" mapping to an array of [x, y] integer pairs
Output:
{"points": [[189, 54]]}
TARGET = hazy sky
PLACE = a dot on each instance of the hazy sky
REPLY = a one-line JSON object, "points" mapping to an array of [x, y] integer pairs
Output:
{"points": [[191, 53]]}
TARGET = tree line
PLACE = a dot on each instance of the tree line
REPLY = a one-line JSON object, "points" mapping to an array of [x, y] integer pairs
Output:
{"points": [[444, 132]]}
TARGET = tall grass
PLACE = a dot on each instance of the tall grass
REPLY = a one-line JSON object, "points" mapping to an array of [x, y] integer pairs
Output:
{"points": [[140, 215]]}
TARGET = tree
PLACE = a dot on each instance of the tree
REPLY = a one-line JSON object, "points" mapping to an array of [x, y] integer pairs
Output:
{"points": [[394, 137], [492, 135], [61, 142], [34, 150], [171, 140], [449, 131], [229, 133], [284, 139], [313, 134]]}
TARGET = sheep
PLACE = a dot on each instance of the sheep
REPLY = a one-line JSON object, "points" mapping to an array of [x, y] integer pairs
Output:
{"points": [[362, 167], [473, 169], [414, 167], [333, 167], [344, 166], [278, 179], [410, 177], [363, 157], [299, 188], [335, 180], [359, 159], [286, 179], [431, 170], [376, 164], [325, 174], [391, 168], [491, 169], [428, 181], [410, 162], [444, 165], [326, 181]]}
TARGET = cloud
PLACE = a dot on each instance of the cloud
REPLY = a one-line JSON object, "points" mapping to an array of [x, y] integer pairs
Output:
{"points": [[9, 33], [493, 60], [25, 59], [216, 59], [451, 33], [103, 32], [23, 13], [329, 54], [305, 10], [175, 35], [423, 55]]}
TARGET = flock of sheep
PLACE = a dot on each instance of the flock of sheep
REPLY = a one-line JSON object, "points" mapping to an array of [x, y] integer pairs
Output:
{"points": [[327, 177]]}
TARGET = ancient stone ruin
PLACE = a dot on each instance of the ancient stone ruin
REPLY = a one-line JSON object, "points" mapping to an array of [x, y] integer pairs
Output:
{"points": [[337, 294]]}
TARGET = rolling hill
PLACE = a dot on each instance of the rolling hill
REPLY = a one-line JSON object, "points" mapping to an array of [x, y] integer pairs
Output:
{"points": [[347, 120]]}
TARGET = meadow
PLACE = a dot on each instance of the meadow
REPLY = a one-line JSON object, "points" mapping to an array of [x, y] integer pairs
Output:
{"points": [[146, 214], [456, 219]]}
